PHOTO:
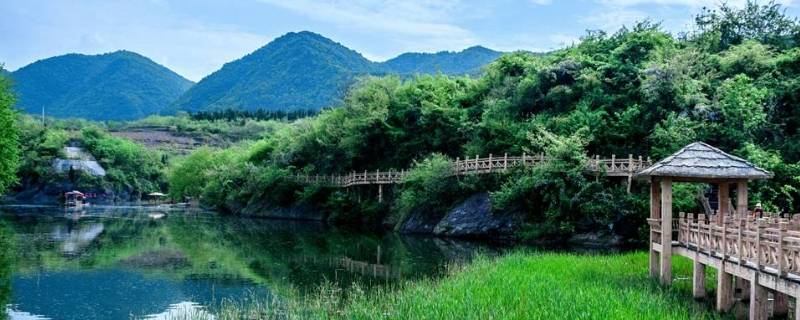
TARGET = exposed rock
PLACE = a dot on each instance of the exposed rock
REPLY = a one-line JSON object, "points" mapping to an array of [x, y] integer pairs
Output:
{"points": [[79, 160], [474, 218], [420, 221]]}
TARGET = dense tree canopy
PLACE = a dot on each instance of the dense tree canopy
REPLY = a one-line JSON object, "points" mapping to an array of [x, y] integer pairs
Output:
{"points": [[9, 135]]}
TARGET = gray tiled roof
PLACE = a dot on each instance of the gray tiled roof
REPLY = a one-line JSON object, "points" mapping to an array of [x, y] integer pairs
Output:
{"points": [[700, 160]]}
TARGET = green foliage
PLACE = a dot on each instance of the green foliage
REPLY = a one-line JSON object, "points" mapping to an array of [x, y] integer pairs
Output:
{"points": [[727, 25], [114, 86], [548, 191], [9, 135], [129, 166], [189, 175], [546, 286], [427, 187]]}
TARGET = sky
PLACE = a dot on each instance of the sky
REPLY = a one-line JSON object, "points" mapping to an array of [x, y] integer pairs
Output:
{"points": [[195, 38]]}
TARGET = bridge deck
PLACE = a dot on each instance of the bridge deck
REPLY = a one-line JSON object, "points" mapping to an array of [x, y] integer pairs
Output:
{"points": [[762, 253]]}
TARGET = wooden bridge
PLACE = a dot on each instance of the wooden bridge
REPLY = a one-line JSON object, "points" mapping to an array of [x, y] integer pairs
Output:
{"points": [[760, 257], [614, 167]]}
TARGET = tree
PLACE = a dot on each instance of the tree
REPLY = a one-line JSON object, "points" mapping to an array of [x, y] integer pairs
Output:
{"points": [[9, 135], [727, 26]]}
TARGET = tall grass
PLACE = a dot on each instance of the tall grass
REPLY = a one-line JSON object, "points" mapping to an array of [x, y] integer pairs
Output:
{"points": [[520, 285]]}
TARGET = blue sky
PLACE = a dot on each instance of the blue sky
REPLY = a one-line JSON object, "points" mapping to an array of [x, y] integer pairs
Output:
{"points": [[195, 38]]}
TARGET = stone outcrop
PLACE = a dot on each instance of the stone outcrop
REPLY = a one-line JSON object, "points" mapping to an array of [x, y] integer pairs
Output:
{"points": [[474, 218]]}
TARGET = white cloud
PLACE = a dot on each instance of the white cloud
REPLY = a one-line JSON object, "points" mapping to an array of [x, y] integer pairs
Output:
{"points": [[188, 47], [612, 19], [542, 2], [419, 18], [425, 21]]}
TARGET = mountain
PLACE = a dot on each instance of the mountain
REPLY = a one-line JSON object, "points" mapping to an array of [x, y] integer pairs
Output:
{"points": [[304, 70], [468, 61], [114, 86], [296, 70]]}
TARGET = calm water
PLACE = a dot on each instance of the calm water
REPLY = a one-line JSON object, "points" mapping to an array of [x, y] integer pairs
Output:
{"points": [[122, 263]]}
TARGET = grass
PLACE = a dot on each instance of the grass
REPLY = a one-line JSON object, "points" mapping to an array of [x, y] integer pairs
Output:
{"points": [[520, 285]]}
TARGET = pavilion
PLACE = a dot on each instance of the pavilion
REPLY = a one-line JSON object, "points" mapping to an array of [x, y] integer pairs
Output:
{"points": [[716, 241]]}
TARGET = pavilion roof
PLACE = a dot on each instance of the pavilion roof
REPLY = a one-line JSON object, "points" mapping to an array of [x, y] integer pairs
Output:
{"points": [[702, 161]]}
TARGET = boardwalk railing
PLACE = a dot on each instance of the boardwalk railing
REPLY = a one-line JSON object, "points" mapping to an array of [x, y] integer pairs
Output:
{"points": [[770, 245], [610, 167]]}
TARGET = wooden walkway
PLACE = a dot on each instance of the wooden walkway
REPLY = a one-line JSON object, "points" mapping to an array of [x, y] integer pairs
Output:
{"points": [[760, 257], [614, 167]]}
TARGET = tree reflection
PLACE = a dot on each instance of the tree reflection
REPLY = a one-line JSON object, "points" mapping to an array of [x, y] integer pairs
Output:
{"points": [[6, 259]]}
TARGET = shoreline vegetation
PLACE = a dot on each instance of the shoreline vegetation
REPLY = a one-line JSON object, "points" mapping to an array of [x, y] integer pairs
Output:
{"points": [[517, 285]]}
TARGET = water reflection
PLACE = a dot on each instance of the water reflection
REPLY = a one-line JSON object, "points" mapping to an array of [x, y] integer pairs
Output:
{"points": [[111, 263]]}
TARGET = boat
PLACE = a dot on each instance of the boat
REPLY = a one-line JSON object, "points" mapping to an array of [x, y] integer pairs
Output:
{"points": [[74, 199]]}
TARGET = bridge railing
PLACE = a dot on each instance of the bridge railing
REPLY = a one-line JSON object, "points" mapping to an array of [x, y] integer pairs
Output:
{"points": [[768, 244], [478, 165]]}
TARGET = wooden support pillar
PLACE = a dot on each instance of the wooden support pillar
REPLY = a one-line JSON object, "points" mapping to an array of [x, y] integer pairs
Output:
{"points": [[630, 172], [741, 199], [699, 280], [780, 304], [796, 308], [666, 231], [655, 213], [724, 290], [743, 288], [380, 193], [723, 201], [758, 300]]}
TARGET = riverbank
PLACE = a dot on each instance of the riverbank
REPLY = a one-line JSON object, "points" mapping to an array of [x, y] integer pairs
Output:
{"points": [[520, 285]]}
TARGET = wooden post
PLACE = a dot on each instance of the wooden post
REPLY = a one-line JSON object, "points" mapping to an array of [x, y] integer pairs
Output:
{"points": [[505, 161], [781, 262], [723, 241], [698, 280], [613, 162], [630, 172], [723, 201], [724, 289], [759, 230], [758, 299], [458, 167], [739, 241], [741, 199], [655, 213], [380, 193], [523, 159], [490, 162], [666, 231]]}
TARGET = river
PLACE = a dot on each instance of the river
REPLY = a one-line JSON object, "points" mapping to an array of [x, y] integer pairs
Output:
{"points": [[157, 263]]}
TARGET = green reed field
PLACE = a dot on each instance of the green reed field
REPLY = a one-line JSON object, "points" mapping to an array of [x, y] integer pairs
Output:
{"points": [[520, 285]]}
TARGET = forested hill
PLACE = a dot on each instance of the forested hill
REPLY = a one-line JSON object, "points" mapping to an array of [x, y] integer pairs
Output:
{"points": [[297, 70], [305, 70], [468, 61], [113, 86]]}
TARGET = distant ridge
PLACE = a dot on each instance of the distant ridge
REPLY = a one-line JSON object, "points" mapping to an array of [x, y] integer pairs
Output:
{"points": [[304, 70], [468, 61], [299, 70], [120, 85], [295, 71]]}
